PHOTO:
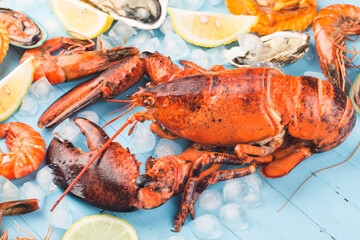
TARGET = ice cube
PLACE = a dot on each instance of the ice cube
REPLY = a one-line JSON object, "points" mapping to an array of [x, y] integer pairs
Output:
{"points": [[29, 107], [42, 90], [52, 25], [210, 200], [318, 75], [174, 46], [90, 115], [193, 4], [206, 227], [252, 198], [61, 216], [214, 2], [167, 25], [30, 190], [67, 131], [249, 41], [122, 32], [252, 180], [176, 238], [8, 3], [24, 5], [8, 190], [167, 147], [310, 54], [199, 57], [234, 189], [140, 38], [233, 217], [107, 42], [45, 179], [150, 45], [142, 139], [268, 65], [175, 3], [216, 56]]}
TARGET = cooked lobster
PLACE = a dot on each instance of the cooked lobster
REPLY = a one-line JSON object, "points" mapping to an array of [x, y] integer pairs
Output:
{"points": [[253, 109]]}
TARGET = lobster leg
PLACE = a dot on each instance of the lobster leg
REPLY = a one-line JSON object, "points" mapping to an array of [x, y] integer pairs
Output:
{"points": [[157, 129], [195, 186], [285, 160]]}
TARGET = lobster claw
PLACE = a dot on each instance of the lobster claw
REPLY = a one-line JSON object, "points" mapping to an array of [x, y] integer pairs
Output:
{"points": [[107, 181], [60, 150], [107, 85]]}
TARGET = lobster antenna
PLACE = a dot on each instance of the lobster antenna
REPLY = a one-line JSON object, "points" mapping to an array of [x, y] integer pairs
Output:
{"points": [[336, 165], [127, 123], [120, 109], [131, 108], [122, 101]]}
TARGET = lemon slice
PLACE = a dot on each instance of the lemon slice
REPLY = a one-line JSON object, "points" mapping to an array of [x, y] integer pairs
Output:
{"points": [[14, 87], [355, 93], [208, 29], [82, 18], [100, 227]]}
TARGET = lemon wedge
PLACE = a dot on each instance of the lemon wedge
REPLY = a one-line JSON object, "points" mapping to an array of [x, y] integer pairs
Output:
{"points": [[14, 87], [100, 227], [207, 29], [80, 19]]}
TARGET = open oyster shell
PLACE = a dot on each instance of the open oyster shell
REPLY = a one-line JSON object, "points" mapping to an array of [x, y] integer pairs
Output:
{"points": [[23, 31], [283, 47], [144, 14]]}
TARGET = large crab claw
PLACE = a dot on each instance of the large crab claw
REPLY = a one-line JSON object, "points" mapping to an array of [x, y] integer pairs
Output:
{"points": [[107, 85], [110, 180]]}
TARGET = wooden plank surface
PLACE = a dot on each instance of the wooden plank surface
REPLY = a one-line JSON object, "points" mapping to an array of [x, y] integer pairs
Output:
{"points": [[326, 207]]}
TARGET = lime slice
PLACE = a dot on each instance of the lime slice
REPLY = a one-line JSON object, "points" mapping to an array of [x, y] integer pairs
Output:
{"points": [[81, 19], [355, 94], [100, 227], [14, 87], [209, 29]]}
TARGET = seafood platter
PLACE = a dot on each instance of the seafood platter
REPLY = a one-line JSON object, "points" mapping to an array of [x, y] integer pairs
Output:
{"points": [[173, 120]]}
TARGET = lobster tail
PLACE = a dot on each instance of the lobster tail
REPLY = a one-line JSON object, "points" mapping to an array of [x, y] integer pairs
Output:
{"points": [[314, 110]]}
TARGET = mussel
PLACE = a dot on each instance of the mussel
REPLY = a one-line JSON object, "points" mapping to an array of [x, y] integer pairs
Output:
{"points": [[144, 14], [23, 31], [283, 47]]}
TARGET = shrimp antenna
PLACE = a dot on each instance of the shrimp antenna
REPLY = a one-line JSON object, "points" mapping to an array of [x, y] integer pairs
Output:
{"points": [[22, 230], [129, 121], [336, 165]]}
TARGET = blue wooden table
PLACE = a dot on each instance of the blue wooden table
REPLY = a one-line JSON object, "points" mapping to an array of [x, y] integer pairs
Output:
{"points": [[326, 207]]}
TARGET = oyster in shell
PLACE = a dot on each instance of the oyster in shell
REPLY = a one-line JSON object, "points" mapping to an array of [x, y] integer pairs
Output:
{"points": [[23, 31], [144, 14], [283, 47]]}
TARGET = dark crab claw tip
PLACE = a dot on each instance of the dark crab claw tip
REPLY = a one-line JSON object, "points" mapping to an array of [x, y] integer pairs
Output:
{"points": [[124, 52], [18, 207], [142, 180], [145, 54], [96, 137]]}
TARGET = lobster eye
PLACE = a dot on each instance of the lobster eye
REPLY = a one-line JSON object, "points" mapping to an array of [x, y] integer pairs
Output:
{"points": [[149, 101]]}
